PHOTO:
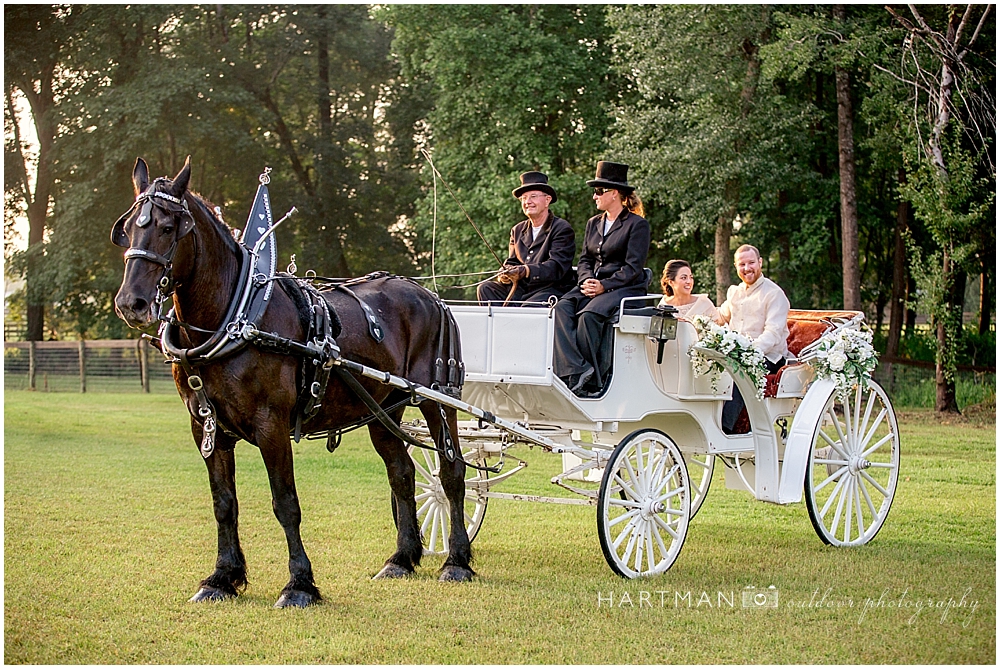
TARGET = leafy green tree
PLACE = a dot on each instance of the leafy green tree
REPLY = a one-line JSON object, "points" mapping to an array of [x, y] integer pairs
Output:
{"points": [[307, 90], [712, 140], [509, 88], [952, 176], [33, 52]]}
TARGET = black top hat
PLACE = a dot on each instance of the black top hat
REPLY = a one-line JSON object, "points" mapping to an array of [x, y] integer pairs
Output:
{"points": [[535, 181], [612, 175]]}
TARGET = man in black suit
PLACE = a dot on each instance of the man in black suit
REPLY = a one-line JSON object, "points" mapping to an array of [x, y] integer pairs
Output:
{"points": [[612, 266], [542, 247]]}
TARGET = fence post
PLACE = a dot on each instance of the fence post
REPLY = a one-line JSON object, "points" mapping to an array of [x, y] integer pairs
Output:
{"points": [[83, 367], [144, 364], [31, 365]]}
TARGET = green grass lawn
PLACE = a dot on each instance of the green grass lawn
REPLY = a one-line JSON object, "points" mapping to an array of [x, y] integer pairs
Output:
{"points": [[109, 528]]}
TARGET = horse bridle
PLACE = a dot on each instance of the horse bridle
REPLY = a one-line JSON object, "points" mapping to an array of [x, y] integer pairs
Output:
{"points": [[145, 202]]}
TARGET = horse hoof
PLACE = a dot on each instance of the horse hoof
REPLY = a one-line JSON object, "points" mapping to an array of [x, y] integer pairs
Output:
{"points": [[208, 594], [455, 574], [295, 598], [391, 570]]}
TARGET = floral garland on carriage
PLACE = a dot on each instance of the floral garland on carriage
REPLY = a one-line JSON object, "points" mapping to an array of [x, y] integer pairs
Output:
{"points": [[846, 356], [748, 360]]}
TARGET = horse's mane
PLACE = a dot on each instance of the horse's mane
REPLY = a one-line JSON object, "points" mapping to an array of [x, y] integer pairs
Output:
{"points": [[204, 211]]}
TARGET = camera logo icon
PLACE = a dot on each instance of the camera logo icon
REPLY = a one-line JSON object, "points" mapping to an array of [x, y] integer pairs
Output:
{"points": [[760, 599]]}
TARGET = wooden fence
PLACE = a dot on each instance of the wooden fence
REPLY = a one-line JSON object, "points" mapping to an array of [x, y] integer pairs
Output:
{"points": [[132, 365], [117, 365]]}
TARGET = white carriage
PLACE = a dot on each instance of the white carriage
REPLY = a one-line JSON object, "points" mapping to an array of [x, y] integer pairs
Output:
{"points": [[655, 435]]}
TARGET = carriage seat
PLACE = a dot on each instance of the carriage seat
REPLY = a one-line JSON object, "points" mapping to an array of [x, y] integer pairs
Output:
{"points": [[804, 328]]}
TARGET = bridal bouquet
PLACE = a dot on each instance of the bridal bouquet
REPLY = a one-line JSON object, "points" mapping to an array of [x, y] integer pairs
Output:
{"points": [[748, 360], [846, 356]]}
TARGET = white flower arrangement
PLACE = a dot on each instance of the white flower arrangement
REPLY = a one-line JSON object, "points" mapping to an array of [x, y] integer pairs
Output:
{"points": [[748, 360], [846, 356]]}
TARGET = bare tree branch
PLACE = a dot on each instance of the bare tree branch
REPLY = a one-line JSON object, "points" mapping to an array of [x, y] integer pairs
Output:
{"points": [[923, 24], [976, 33], [961, 24]]}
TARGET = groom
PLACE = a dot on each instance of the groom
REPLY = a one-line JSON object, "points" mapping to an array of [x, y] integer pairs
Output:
{"points": [[758, 309]]}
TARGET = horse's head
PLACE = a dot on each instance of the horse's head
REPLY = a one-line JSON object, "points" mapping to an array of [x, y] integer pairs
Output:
{"points": [[151, 230]]}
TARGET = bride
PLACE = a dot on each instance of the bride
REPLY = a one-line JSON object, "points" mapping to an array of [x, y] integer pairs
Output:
{"points": [[677, 283]]}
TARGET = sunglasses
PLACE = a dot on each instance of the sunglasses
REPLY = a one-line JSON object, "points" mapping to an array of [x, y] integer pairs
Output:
{"points": [[602, 191]]}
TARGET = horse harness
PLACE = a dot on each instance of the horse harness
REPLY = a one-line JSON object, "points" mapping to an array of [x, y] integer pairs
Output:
{"points": [[320, 353]]}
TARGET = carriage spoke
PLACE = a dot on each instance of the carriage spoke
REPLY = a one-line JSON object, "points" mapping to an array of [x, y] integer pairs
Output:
{"points": [[835, 475], [444, 529], [435, 519], [659, 543], [840, 433], [422, 496], [841, 496], [429, 518], [426, 473], [871, 507], [643, 463], [666, 527], [626, 503], [637, 488], [649, 547], [857, 509], [833, 497], [640, 540], [626, 532], [848, 509], [624, 516], [875, 425], [672, 493], [427, 504], [875, 483], [878, 445], [630, 546], [835, 445], [868, 415], [628, 491], [658, 478], [856, 425]]}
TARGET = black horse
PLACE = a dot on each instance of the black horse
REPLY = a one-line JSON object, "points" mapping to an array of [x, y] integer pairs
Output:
{"points": [[254, 392]]}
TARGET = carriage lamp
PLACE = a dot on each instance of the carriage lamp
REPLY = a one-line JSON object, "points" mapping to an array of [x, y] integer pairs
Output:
{"points": [[662, 328]]}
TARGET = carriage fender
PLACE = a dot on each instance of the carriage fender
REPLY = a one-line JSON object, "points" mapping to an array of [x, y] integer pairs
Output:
{"points": [[800, 440]]}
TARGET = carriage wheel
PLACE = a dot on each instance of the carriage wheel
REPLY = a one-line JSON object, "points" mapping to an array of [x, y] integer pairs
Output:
{"points": [[644, 505], [700, 466], [853, 467], [432, 504]]}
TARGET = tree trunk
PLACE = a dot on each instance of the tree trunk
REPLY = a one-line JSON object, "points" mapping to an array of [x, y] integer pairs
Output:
{"points": [[848, 193], [38, 205], [985, 293], [945, 401], [911, 314], [723, 257], [897, 302]]}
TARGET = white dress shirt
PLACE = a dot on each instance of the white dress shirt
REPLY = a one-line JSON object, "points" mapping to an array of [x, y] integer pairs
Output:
{"points": [[759, 311]]}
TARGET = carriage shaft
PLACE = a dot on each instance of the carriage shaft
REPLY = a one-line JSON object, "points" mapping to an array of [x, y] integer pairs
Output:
{"points": [[447, 400]]}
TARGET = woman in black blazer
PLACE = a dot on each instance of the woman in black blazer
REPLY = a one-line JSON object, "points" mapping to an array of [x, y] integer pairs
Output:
{"points": [[612, 266]]}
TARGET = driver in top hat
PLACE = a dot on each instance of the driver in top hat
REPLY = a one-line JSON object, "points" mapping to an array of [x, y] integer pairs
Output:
{"points": [[611, 267], [542, 247]]}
